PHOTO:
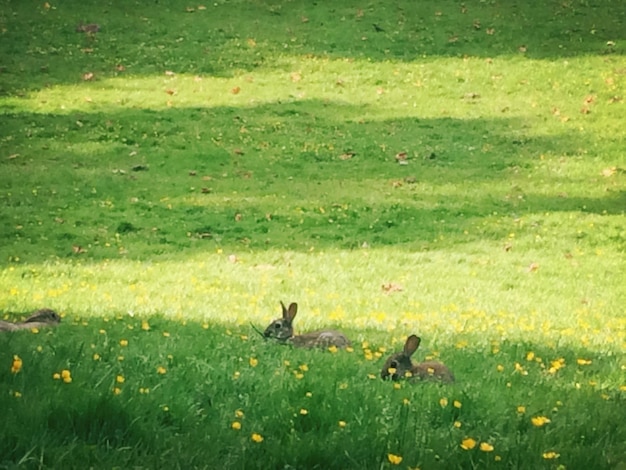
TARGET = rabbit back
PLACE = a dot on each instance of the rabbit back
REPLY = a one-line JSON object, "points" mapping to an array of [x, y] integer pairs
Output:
{"points": [[433, 371], [321, 339]]}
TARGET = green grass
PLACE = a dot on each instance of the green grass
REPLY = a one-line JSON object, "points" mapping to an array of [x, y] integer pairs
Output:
{"points": [[224, 158]]}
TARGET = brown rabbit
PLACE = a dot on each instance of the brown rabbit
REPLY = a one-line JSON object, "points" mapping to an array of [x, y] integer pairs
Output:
{"points": [[41, 318], [399, 365], [282, 330], [90, 28]]}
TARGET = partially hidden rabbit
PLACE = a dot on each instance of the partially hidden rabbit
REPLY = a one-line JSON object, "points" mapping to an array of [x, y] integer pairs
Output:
{"points": [[399, 365], [281, 329], [41, 318]]}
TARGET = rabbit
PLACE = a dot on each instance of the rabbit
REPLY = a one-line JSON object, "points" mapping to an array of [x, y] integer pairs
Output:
{"points": [[89, 28], [282, 330], [399, 365], [41, 318]]}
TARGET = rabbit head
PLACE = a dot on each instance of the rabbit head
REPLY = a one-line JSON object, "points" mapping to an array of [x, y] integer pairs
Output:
{"points": [[399, 365], [282, 328], [44, 315]]}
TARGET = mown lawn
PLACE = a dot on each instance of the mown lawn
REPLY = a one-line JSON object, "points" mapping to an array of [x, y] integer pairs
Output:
{"points": [[450, 169]]}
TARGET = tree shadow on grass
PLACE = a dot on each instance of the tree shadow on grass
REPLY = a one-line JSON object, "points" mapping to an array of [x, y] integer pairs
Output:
{"points": [[41, 47], [303, 174]]}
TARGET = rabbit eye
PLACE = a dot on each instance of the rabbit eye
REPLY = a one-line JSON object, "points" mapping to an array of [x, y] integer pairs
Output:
{"points": [[277, 325], [393, 364]]}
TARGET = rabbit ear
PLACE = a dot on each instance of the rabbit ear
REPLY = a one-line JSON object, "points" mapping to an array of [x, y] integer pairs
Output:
{"points": [[411, 345], [293, 309], [289, 313]]}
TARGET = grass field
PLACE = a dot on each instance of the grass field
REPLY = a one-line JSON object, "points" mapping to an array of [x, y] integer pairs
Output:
{"points": [[450, 169]]}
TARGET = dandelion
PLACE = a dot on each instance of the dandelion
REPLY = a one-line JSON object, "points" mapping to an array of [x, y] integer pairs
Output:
{"points": [[17, 394], [166, 334], [161, 370], [392, 370], [123, 343], [373, 377], [299, 375], [394, 459], [539, 421], [397, 386], [349, 349], [308, 394], [236, 425], [303, 367], [238, 414], [120, 379], [342, 424], [66, 376], [236, 375], [500, 368], [333, 349], [56, 376], [521, 409], [145, 326], [443, 402], [17, 365], [343, 386], [486, 447], [96, 357], [254, 362], [304, 411], [468, 443], [457, 404], [583, 362], [457, 424], [406, 402], [256, 437], [144, 391], [530, 356], [550, 455], [117, 390]]}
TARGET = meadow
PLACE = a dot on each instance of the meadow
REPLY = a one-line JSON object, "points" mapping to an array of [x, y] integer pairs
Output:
{"points": [[450, 169]]}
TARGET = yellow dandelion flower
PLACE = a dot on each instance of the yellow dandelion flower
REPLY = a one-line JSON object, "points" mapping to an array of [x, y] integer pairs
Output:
{"points": [[521, 409], [56, 376], [408, 374], [120, 379], [299, 375], [406, 401], [17, 394], [468, 443], [500, 368], [123, 343], [65, 374], [308, 394], [349, 349], [238, 413], [371, 376], [486, 447], [394, 459], [236, 425], [102, 332], [304, 411], [392, 370], [17, 365], [530, 356], [397, 386], [583, 362], [303, 367], [96, 357], [443, 402], [144, 391], [236, 375], [145, 325], [342, 424], [254, 362], [286, 363], [343, 386], [550, 455], [333, 349], [161, 370], [457, 424], [120, 358], [539, 421], [117, 390], [166, 334], [457, 404], [497, 458], [256, 437], [622, 388]]}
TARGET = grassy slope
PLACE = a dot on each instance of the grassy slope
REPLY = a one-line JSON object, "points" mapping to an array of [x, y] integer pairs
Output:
{"points": [[505, 230]]}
